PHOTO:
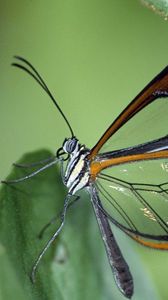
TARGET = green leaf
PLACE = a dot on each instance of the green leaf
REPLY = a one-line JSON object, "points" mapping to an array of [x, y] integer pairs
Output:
{"points": [[71, 268], [25, 208]]}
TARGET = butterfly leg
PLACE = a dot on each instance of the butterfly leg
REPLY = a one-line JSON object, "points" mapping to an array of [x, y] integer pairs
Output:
{"points": [[34, 164], [34, 269], [58, 216], [30, 175]]}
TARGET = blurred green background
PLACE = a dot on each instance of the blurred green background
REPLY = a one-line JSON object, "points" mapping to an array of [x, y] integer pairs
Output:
{"points": [[95, 57]]}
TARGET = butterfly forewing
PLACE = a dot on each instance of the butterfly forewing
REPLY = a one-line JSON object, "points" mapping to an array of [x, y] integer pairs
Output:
{"points": [[148, 124], [136, 196], [157, 89]]}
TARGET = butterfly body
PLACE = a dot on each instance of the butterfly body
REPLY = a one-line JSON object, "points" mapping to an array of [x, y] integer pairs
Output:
{"points": [[77, 173]]}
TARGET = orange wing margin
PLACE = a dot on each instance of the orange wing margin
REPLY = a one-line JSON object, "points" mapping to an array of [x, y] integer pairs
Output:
{"points": [[97, 166], [160, 245], [157, 88]]}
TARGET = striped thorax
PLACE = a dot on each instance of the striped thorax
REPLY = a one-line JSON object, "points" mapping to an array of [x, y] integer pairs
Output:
{"points": [[77, 171]]}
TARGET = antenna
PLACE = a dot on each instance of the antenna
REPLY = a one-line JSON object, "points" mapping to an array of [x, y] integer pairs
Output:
{"points": [[33, 73]]}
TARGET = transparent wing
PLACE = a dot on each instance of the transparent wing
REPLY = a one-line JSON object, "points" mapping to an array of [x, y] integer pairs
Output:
{"points": [[135, 197], [149, 124], [143, 120]]}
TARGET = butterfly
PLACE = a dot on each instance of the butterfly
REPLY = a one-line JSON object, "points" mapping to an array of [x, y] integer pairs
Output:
{"points": [[134, 145]]}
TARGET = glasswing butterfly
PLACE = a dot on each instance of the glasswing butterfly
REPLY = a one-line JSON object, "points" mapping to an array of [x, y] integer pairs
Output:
{"points": [[138, 207]]}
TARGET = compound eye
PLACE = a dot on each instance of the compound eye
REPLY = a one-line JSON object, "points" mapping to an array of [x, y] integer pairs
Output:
{"points": [[70, 145]]}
